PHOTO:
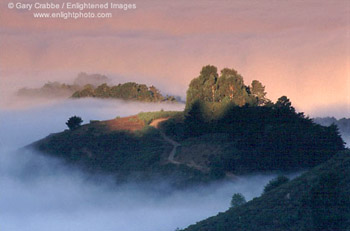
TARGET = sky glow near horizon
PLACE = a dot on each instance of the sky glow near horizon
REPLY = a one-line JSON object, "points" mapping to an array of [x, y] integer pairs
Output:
{"points": [[295, 48]]}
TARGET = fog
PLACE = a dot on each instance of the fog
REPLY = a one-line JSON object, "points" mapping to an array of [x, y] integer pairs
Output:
{"points": [[39, 193], [336, 110], [24, 123]]}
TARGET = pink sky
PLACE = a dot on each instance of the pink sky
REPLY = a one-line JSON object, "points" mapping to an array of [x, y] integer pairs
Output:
{"points": [[296, 48]]}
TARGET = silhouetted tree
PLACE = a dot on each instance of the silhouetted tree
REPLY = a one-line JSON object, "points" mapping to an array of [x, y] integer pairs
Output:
{"points": [[258, 91], [284, 103], [237, 200], [74, 122]]}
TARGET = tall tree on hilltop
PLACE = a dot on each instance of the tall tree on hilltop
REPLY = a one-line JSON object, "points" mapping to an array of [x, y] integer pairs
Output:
{"points": [[203, 87], [284, 103], [210, 76], [258, 91], [231, 87]]}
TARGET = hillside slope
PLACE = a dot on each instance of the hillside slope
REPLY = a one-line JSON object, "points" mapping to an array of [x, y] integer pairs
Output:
{"points": [[178, 144], [343, 125], [124, 147], [317, 200]]}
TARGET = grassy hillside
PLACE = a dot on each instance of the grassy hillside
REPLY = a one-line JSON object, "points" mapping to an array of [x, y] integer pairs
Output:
{"points": [[124, 147], [184, 147], [317, 200]]}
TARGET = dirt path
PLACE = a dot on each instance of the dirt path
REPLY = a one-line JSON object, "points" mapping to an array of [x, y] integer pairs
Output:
{"points": [[173, 151], [155, 123]]}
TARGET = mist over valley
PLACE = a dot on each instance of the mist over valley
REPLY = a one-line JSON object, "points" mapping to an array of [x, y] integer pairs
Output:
{"points": [[43, 193]]}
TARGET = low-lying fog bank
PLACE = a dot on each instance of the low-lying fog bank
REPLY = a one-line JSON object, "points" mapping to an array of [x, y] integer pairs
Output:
{"points": [[39, 193], [24, 125]]}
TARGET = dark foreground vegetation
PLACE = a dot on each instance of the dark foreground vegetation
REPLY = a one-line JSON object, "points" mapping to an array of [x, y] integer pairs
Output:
{"points": [[343, 125], [316, 201], [226, 128]]}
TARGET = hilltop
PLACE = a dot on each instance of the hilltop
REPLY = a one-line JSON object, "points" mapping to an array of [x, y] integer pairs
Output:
{"points": [[166, 144], [227, 128], [128, 148]]}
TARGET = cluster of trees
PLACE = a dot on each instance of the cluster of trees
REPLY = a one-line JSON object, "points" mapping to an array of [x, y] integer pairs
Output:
{"points": [[229, 87], [96, 85], [263, 135], [267, 137], [126, 91]]}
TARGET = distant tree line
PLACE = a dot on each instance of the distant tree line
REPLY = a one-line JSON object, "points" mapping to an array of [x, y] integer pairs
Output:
{"points": [[96, 85], [50, 89], [126, 91]]}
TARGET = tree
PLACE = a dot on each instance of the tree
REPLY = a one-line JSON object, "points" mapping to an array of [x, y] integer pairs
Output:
{"points": [[258, 91], [74, 122], [231, 87], [284, 103], [203, 87], [237, 200], [155, 94], [276, 182]]}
